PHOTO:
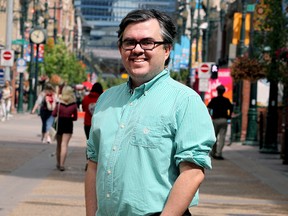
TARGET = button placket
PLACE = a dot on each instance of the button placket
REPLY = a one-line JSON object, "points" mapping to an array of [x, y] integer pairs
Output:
{"points": [[115, 149]]}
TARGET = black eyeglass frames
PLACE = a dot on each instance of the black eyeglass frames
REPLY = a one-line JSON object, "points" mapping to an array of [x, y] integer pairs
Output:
{"points": [[144, 44]]}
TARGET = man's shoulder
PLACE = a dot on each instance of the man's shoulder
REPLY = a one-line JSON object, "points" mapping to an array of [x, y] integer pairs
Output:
{"points": [[116, 88], [114, 91], [182, 88]]}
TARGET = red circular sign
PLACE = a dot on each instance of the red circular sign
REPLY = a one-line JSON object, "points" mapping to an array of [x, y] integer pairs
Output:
{"points": [[7, 55], [204, 68]]}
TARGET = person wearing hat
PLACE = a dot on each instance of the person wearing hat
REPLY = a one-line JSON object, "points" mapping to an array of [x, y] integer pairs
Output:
{"points": [[221, 110], [66, 112]]}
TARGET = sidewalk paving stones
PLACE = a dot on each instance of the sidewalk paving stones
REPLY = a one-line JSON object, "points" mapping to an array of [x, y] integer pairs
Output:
{"points": [[246, 183]]}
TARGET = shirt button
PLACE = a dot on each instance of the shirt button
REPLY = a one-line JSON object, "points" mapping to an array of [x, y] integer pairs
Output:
{"points": [[109, 172], [146, 130], [122, 125], [114, 148], [107, 195], [131, 104]]}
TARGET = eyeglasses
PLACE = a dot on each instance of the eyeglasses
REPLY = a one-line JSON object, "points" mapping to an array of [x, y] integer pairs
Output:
{"points": [[144, 44]]}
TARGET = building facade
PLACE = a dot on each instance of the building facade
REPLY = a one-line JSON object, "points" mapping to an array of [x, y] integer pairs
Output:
{"points": [[104, 16]]}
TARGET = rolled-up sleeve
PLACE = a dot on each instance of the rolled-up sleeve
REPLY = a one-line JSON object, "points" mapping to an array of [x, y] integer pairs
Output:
{"points": [[195, 134], [91, 150], [92, 147]]}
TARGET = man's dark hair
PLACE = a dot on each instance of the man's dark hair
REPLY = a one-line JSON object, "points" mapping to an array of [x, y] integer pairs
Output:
{"points": [[168, 29], [97, 87], [220, 89]]}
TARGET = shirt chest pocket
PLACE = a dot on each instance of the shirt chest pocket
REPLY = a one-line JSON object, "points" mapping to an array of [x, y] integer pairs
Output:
{"points": [[147, 133]]}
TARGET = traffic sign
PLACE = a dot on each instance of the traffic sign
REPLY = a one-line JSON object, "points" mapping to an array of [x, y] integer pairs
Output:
{"points": [[204, 70], [203, 85], [7, 58], [7, 55], [21, 65], [21, 62], [214, 71]]}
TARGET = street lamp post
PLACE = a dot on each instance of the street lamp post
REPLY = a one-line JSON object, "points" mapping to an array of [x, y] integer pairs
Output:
{"points": [[55, 30], [33, 76], [190, 66], [241, 47], [205, 56], [270, 144], [252, 135], [22, 29], [55, 24], [236, 126], [54, 18], [198, 29], [31, 98], [31, 79]]}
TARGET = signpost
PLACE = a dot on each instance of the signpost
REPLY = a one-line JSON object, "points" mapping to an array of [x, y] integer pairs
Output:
{"points": [[203, 85], [204, 74]]}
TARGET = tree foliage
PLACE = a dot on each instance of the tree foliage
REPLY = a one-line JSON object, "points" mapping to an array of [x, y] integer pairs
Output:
{"points": [[274, 34], [244, 68], [59, 60]]}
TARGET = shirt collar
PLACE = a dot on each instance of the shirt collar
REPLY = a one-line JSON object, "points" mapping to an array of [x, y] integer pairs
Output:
{"points": [[146, 86]]}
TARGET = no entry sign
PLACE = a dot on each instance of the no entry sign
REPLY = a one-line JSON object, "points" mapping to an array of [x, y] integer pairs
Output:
{"points": [[7, 55], [204, 70], [7, 58]]}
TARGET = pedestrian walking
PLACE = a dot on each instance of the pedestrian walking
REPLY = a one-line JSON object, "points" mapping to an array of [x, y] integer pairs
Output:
{"points": [[150, 138], [221, 110], [88, 105], [6, 100], [66, 112], [46, 101]]}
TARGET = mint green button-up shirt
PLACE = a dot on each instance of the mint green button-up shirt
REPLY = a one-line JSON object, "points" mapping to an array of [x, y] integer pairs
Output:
{"points": [[138, 140]]}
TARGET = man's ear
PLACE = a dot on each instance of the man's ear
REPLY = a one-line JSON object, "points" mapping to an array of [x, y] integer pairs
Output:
{"points": [[168, 49]]}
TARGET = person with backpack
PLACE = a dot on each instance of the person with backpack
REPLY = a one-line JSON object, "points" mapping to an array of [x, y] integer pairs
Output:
{"points": [[88, 105], [47, 102]]}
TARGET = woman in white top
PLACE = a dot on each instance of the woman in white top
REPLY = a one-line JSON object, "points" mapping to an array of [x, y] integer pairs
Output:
{"points": [[6, 100]]}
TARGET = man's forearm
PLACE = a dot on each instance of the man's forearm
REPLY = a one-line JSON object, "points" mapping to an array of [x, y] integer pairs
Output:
{"points": [[90, 189], [183, 190]]}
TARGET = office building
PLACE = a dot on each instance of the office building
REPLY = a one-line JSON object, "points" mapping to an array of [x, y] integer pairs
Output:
{"points": [[102, 17]]}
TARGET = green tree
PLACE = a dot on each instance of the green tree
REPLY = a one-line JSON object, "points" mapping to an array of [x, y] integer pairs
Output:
{"points": [[59, 60], [181, 76], [273, 34]]}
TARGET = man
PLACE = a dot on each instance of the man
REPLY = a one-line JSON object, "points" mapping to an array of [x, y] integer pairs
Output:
{"points": [[221, 109], [150, 138]]}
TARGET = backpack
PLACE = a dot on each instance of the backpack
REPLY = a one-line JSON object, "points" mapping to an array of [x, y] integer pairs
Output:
{"points": [[49, 102], [91, 108]]}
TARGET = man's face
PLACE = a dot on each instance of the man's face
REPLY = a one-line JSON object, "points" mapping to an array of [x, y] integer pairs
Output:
{"points": [[142, 65]]}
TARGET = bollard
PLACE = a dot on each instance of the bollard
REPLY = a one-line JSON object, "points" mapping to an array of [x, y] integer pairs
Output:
{"points": [[261, 130]]}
